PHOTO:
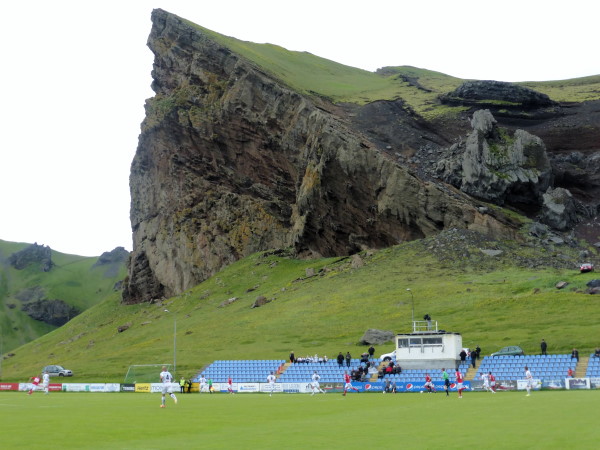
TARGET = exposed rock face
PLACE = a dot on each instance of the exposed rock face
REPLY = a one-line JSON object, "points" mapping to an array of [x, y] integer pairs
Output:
{"points": [[559, 209], [116, 256], [581, 174], [231, 162], [477, 91], [34, 254], [53, 312], [112, 262], [261, 300], [497, 167], [376, 337]]}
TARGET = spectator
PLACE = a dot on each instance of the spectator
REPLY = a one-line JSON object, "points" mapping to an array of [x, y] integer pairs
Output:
{"points": [[371, 352], [478, 350], [473, 357], [570, 373], [348, 359], [543, 347], [340, 360], [382, 372], [389, 370], [575, 354], [189, 385], [292, 357], [463, 355], [427, 318], [388, 386], [597, 353]]}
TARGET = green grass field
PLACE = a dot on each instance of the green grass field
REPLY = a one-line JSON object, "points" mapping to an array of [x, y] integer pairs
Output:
{"points": [[548, 419]]}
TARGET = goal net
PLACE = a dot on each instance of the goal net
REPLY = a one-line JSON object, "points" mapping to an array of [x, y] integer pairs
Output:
{"points": [[145, 373]]}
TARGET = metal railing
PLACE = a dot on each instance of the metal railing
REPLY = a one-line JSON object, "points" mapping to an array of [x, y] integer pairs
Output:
{"points": [[423, 326]]}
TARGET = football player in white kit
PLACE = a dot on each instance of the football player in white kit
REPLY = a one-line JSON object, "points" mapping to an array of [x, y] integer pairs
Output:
{"points": [[46, 382], [486, 380], [315, 383], [203, 385], [167, 388], [271, 381], [529, 379]]}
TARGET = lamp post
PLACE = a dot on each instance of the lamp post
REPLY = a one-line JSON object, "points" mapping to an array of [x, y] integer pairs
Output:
{"points": [[413, 307], [174, 342]]}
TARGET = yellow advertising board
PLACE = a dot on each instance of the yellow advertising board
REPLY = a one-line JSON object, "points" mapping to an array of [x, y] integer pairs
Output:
{"points": [[143, 387]]}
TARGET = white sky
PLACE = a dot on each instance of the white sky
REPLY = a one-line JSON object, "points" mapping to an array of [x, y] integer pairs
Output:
{"points": [[75, 74]]}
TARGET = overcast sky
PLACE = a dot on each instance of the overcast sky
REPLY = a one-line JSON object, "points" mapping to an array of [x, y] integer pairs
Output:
{"points": [[75, 75]]}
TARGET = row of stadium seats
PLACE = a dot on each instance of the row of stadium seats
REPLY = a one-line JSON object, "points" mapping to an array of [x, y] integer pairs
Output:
{"points": [[505, 367], [593, 369], [241, 371], [257, 370], [329, 371], [534, 365], [542, 366], [531, 357], [247, 363]]}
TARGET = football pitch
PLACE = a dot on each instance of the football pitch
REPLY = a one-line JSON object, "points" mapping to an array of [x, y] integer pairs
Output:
{"points": [[549, 419]]}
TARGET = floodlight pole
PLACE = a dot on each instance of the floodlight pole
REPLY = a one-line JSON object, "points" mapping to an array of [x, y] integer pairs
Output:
{"points": [[413, 307], [174, 341]]}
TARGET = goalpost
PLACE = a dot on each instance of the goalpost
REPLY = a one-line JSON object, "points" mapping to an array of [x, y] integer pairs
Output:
{"points": [[145, 373]]}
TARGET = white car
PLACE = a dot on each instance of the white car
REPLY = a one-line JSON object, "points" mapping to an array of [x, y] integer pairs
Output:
{"points": [[57, 371], [388, 356]]}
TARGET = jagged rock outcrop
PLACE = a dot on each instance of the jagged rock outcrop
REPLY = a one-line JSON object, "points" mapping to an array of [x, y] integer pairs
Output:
{"points": [[496, 167], [116, 256], [478, 92], [52, 312], [580, 173], [376, 337], [40, 255], [558, 209], [112, 262], [230, 162]]}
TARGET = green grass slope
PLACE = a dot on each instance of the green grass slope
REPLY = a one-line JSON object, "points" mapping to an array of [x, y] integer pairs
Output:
{"points": [[73, 279], [491, 301], [419, 88]]}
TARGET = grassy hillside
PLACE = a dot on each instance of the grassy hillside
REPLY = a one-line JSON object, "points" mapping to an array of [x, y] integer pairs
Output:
{"points": [[489, 300], [419, 88], [72, 279]]}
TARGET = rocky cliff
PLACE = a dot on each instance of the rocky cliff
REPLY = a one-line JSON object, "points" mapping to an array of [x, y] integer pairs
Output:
{"points": [[230, 161], [40, 255], [498, 167]]}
